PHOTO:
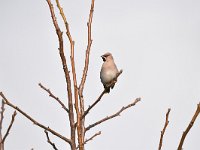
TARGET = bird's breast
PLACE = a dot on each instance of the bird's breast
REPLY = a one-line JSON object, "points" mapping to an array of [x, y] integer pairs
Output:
{"points": [[107, 75]]}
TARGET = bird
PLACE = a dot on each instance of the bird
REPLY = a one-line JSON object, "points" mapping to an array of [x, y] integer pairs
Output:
{"points": [[108, 71]]}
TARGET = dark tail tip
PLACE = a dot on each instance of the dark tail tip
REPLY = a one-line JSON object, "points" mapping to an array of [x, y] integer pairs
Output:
{"points": [[107, 90]]}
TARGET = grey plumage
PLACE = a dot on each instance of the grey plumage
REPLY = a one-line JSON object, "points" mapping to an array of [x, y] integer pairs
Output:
{"points": [[109, 70]]}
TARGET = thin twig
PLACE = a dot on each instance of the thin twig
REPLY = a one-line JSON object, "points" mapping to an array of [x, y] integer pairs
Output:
{"points": [[54, 97], [87, 54], [101, 95], [65, 22], [91, 138], [10, 126], [67, 76], [7, 102], [163, 131], [189, 127], [49, 141], [114, 115]]}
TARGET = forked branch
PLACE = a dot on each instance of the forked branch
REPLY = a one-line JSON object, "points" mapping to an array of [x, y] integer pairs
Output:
{"points": [[54, 97], [67, 76], [78, 114], [114, 115], [189, 127], [49, 141], [2, 139], [65, 22], [7, 102], [87, 53], [10, 126], [163, 131], [85, 69], [91, 138]]}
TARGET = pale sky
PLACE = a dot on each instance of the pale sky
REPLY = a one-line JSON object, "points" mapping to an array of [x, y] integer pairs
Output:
{"points": [[155, 42]]}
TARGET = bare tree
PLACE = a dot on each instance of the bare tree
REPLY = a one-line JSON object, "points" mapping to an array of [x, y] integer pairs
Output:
{"points": [[75, 99], [76, 109]]}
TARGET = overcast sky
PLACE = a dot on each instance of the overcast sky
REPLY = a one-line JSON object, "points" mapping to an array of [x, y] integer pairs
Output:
{"points": [[155, 42]]}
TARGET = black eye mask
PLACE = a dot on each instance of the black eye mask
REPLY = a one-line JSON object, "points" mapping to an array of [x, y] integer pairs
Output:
{"points": [[104, 59]]}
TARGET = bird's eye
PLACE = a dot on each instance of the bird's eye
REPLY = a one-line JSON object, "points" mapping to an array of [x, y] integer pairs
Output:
{"points": [[104, 59]]}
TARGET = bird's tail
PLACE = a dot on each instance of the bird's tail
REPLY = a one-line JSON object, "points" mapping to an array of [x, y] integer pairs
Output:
{"points": [[107, 89]]}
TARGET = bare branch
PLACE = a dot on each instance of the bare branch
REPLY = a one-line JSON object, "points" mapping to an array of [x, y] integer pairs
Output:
{"points": [[85, 70], [10, 126], [1, 124], [87, 53], [67, 76], [114, 115], [54, 97], [163, 131], [49, 141], [1, 119], [91, 138], [65, 22], [101, 95], [90, 107], [189, 127], [7, 102]]}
